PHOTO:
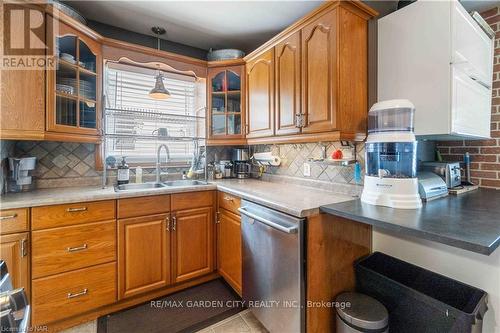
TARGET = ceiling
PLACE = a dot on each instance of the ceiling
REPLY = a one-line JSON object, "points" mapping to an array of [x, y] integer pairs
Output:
{"points": [[217, 24], [204, 24]]}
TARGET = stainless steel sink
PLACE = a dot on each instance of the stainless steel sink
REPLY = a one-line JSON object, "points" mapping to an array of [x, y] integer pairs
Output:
{"points": [[185, 182], [135, 187]]}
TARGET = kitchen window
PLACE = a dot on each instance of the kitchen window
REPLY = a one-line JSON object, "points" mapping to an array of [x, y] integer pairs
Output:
{"points": [[136, 124]]}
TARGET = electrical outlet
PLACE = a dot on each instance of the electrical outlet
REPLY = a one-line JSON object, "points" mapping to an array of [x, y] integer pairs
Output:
{"points": [[307, 170]]}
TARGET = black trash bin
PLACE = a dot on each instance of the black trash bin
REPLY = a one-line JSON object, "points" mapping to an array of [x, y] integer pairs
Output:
{"points": [[419, 300]]}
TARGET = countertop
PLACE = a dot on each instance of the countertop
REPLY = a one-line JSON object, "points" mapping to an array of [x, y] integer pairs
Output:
{"points": [[296, 200], [56, 196], [470, 221]]}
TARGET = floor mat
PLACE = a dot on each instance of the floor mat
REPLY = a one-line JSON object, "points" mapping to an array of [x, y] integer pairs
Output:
{"points": [[185, 311]]}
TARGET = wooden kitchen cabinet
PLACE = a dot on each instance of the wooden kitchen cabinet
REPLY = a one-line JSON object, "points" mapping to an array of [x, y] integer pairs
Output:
{"points": [[229, 260], [192, 242], [143, 254], [260, 95], [14, 250], [22, 99], [226, 107], [74, 87], [287, 63], [319, 73], [315, 86]]}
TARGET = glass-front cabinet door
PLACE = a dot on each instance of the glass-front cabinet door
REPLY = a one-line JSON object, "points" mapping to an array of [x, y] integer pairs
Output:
{"points": [[225, 103], [74, 86]]}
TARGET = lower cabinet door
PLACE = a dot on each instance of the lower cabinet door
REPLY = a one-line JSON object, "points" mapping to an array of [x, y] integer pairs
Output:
{"points": [[67, 294], [193, 243], [229, 248], [143, 254], [14, 251]]}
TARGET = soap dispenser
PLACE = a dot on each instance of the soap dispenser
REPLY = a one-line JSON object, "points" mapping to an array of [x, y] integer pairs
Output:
{"points": [[123, 176]]}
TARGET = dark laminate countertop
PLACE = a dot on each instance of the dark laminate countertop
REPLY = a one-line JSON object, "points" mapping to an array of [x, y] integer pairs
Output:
{"points": [[470, 221]]}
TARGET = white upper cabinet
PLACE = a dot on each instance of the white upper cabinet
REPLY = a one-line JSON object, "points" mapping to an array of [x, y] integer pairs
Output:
{"points": [[434, 54]]}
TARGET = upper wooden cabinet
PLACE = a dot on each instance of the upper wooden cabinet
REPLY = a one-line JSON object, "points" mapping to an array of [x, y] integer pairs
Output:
{"points": [[260, 95], [74, 87], [22, 100], [226, 107], [287, 65], [315, 86], [319, 73]]}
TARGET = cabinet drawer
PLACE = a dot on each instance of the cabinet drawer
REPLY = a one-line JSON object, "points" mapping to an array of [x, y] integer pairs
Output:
{"points": [[188, 200], [142, 206], [63, 249], [229, 202], [14, 220], [76, 213], [67, 294]]}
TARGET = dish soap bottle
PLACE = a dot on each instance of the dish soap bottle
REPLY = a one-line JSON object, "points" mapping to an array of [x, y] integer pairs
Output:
{"points": [[123, 176]]}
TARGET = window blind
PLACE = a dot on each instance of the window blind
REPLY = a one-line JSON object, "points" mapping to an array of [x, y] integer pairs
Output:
{"points": [[137, 124]]}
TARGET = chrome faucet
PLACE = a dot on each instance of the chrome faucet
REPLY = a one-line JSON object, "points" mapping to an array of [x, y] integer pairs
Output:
{"points": [[158, 164]]}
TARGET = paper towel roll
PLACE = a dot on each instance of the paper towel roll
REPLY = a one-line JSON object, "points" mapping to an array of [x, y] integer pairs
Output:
{"points": [[267, 158]]}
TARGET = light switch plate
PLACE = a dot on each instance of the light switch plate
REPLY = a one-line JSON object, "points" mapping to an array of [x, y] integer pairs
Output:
{"points": [[307, 170]]}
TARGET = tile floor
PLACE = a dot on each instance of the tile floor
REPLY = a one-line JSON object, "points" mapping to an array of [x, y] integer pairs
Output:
{"points": [[243, 322]]}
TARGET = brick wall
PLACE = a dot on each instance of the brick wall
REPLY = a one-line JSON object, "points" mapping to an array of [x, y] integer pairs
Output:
{"points": [[485, 153]]}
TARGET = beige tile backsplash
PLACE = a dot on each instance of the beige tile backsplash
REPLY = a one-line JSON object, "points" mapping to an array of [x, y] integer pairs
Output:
{"points": [[293, 156], [66, 164]]}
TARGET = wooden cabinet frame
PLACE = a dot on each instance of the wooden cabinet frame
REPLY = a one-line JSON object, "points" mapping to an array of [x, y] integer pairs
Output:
{"points": [[260, 69], [161, 221], [64, 132], [226, 138], [179, 219], [287, 59]]}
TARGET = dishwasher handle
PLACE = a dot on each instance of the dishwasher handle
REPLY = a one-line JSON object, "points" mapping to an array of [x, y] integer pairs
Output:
{"points": [[288, 230]]}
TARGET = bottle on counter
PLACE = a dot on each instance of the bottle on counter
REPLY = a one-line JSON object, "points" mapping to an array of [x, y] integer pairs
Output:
{"points": [[138, 175], [123, 176], [184, 175]]}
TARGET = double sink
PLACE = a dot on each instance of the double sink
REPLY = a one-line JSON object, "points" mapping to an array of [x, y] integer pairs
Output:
{"points": [[152, 186]]}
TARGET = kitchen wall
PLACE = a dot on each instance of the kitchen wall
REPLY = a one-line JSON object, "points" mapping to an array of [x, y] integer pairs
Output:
{"points": [[485, 153], [6, 150], [59, 164], [293, 156]]}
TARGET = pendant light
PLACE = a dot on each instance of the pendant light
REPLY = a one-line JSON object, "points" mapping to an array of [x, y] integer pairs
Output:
{"points": [[159, 91]]}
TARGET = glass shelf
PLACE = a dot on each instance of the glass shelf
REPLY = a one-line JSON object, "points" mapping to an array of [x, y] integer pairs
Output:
{"points": [[225, 108], [76, 83]]}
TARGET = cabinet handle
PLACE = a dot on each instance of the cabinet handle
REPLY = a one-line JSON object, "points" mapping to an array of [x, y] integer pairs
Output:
{"points": [[23, 243], [299, 120], [79, 209], [217, 221], [167, 220], [78, 248], [7, 217], [174, 222], [81, 293], [228, 199]]}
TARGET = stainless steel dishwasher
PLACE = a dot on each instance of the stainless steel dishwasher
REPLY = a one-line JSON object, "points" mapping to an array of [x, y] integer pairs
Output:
{"points": [[273, 267]]}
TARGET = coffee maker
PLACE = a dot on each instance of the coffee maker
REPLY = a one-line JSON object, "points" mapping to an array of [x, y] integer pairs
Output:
{"points": [[241, 163], [20, 174]]}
